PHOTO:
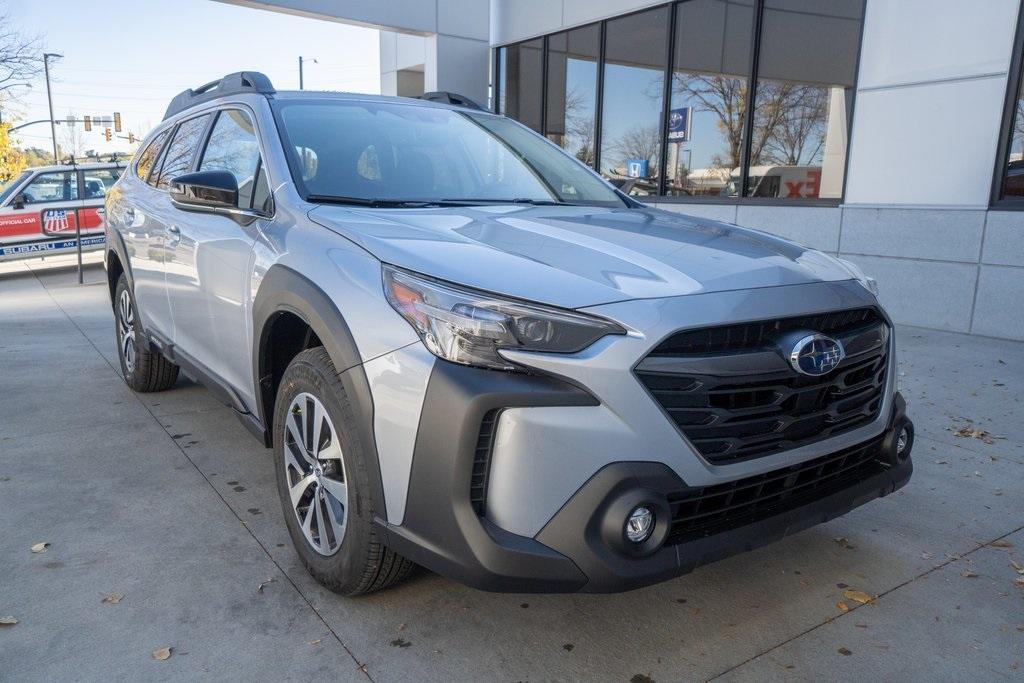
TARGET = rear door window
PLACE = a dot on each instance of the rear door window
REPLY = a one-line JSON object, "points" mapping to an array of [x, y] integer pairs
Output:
{"points": [[97, 183], [182, 150], [149, 155]]}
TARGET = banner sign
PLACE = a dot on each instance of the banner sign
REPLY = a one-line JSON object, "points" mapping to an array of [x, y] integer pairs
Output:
{"points": [[679, 121]]}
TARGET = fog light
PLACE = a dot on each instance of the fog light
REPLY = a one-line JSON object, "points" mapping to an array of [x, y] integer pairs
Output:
{"points": [[901, 442], [640, 524]]}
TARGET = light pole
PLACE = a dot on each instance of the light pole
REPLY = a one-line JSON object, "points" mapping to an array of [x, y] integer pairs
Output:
{"points": [[49, 100], [301, 60]]}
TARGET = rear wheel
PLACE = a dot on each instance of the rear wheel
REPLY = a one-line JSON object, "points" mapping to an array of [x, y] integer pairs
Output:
{"points": [[323, 482], [143, 369]]}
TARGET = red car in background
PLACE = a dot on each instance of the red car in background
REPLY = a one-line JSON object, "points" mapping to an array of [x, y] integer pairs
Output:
{"points": [[42, 209]]}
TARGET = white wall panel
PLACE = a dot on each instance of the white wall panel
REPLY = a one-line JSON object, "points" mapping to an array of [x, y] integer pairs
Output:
{"points": [[909, 41], [929, 144]]}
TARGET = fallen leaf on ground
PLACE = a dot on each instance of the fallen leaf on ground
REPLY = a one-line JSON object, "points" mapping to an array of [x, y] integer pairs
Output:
{"points": [[1000, 544], [941, 462], [8, 621], [844, 651], [842, 606], [844, 542], [40, 547], [315, 642], [968, 574], [1020, 583], [857, 596], [162, 653], [1017, 566], [259, 589], [971, 432], [111, 599]]}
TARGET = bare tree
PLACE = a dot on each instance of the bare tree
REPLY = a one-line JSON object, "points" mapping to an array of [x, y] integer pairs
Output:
{"points": [[726, 98], [639, 142], [72, 139], [19, 52], [789, 118]]}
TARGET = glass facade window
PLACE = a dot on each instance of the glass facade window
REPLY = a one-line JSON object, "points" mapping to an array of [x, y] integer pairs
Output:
{"points": [[571, 106], [522, 74], [783, 128], [804, 98], [636, 55], [1010, 178], [710, 77]]}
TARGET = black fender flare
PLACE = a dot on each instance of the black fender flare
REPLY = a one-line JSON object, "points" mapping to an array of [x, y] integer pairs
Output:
{"points": [[116, 246], [283, 290]]}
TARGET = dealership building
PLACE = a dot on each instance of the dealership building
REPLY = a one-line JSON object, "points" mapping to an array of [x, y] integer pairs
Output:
{"points": [[889, 132]]}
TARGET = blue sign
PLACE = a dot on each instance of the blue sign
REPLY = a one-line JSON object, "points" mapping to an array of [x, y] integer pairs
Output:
{"points": [[679, 124], [637, 168], [42, 248]]}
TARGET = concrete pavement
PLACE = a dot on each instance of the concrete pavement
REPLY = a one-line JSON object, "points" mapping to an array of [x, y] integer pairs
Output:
{"points": [[166, 500]]}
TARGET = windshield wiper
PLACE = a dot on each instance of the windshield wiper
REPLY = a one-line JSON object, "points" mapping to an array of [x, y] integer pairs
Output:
{"points": [[516, 200], [371, 202]]}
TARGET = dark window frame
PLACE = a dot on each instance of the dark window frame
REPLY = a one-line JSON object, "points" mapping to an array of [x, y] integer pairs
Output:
{"points": [[197, 162], [743, 198], [1013, 85]]}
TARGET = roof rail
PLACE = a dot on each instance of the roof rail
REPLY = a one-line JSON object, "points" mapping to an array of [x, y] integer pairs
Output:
{"points": [[238, 82], [445, 97]]}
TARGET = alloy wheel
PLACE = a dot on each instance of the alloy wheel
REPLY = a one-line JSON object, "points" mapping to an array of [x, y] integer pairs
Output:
{"points": [[126, 330], [315, 473]]}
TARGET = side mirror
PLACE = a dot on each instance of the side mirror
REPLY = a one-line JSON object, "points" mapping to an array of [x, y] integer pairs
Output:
{"points": [[205, 191], [18, 202]]}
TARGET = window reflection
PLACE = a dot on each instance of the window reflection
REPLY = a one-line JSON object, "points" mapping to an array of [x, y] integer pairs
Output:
{"points": [[710, 75], [522, 73], [803, 98], [1013, 180], [572, 91], [634, 78]]}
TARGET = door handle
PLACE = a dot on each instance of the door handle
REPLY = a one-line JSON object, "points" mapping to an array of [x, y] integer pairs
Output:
{"points": [[175, 234]]}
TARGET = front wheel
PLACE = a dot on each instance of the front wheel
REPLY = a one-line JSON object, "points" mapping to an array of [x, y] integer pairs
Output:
{"points": [[323, 482], [143, 370]]}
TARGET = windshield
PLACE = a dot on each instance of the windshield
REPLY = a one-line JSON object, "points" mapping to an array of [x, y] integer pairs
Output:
{"points": [[7, 188], [369, 152]]}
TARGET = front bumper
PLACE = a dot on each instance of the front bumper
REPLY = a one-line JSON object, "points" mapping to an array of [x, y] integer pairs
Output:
{"points": [[580, 548]]}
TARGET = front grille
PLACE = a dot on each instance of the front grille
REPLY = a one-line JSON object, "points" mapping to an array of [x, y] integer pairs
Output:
{"points": [[733, 395], [701, 512], [482, 462], [759, 334]]}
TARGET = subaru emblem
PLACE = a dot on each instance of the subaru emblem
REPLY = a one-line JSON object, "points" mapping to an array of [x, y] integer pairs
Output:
{"points": [[816, 354]]}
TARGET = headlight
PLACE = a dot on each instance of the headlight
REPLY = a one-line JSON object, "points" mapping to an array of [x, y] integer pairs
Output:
{"points": [[869, 282], [469, 327]]}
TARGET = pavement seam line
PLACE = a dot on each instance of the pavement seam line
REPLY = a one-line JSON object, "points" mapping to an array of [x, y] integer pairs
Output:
{"points": [[943, 565], [360, 666]]}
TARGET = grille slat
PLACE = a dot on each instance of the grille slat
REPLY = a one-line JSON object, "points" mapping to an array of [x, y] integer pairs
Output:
{"points": [[730, 418], [482, 462], [701, 512]]}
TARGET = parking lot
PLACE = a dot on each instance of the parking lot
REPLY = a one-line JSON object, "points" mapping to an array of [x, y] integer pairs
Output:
{"points": [[166, 501]]}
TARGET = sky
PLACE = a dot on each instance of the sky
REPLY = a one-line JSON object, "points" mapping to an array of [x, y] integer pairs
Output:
{"points": [[134, 56]]}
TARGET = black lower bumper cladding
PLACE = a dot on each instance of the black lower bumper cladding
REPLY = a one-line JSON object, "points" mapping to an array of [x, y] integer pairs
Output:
{"points": [[583, 547]]}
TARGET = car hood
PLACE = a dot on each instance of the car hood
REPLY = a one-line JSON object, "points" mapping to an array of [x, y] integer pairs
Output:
{"points": [[576, 256]]}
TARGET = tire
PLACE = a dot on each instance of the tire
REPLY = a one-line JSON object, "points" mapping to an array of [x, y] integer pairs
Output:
{"points": [[331, 520], [143, 370]]}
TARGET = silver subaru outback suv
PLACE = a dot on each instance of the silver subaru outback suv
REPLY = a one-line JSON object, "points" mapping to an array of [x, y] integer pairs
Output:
{"points": [[469, 352]]}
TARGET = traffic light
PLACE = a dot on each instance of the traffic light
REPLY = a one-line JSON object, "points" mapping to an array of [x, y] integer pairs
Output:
{"points": [[106, 134], [131, 138], [117, 122], [87, 120]]}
